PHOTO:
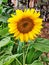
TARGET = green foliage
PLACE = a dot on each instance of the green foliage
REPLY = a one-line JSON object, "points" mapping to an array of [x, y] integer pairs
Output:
{"points": [[4, 1], [37, 62], [5, 30], [3, 18], [41, 44], [10, 59], [4, 42], [33, 55]]}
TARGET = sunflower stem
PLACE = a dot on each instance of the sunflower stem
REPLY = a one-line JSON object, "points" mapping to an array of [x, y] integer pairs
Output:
{"points": [[23, 57], [27, 51], [18, 61]]}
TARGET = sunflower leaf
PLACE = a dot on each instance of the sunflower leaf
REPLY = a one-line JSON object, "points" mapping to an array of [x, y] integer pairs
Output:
{"points": [[4, 32], [4, 1], [4, 41], [10, 59], [33, 55], [41, 44], [37, 62]]}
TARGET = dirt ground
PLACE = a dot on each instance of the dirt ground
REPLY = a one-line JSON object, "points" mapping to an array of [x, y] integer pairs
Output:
{"points": [[45, 30]]}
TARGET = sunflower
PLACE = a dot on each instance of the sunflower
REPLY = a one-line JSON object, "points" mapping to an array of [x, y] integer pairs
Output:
{"points": [[25, 25]]}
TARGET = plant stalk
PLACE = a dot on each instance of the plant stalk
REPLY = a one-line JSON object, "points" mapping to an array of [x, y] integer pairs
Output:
{"points": [[23, 57], [18, 61]]}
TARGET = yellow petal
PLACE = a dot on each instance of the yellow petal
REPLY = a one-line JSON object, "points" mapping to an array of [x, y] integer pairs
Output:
{"points": [[12, 15], [26, 37], [21, 37], [32, 11], [11, 31], [19, 12], [16, 33], [30, 36], [10, 20], [17, 37], [38, 20], [12, 26], [36, 14]]}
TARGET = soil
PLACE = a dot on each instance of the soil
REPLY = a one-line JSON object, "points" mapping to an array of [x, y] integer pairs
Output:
{"points": [[45, 30]]}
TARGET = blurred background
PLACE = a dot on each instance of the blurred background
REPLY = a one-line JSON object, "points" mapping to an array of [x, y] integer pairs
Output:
{"points": [[39, 5]]}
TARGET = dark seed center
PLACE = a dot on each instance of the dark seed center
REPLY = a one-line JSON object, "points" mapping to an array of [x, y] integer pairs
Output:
{"points": [[25, 25]]}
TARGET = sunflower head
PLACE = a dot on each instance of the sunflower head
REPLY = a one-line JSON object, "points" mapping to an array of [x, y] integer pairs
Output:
{"points": [[25, 25]]}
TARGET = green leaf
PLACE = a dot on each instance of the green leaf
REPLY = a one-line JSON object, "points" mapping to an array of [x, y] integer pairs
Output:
{"points": [[37, 62], [9, 11], [33, 55], [20, 45], [1, 9], [4, 10], [4, 41], [14, 63], [0, 1], [8, 49], [30, 55], [1, 62], [10, 59], [41, 44], [4, 18], [5, 1], [4, 32], [41, 40]]}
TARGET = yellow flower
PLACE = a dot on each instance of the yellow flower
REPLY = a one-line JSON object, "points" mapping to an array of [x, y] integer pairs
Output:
{"points": [[25, 25]]}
